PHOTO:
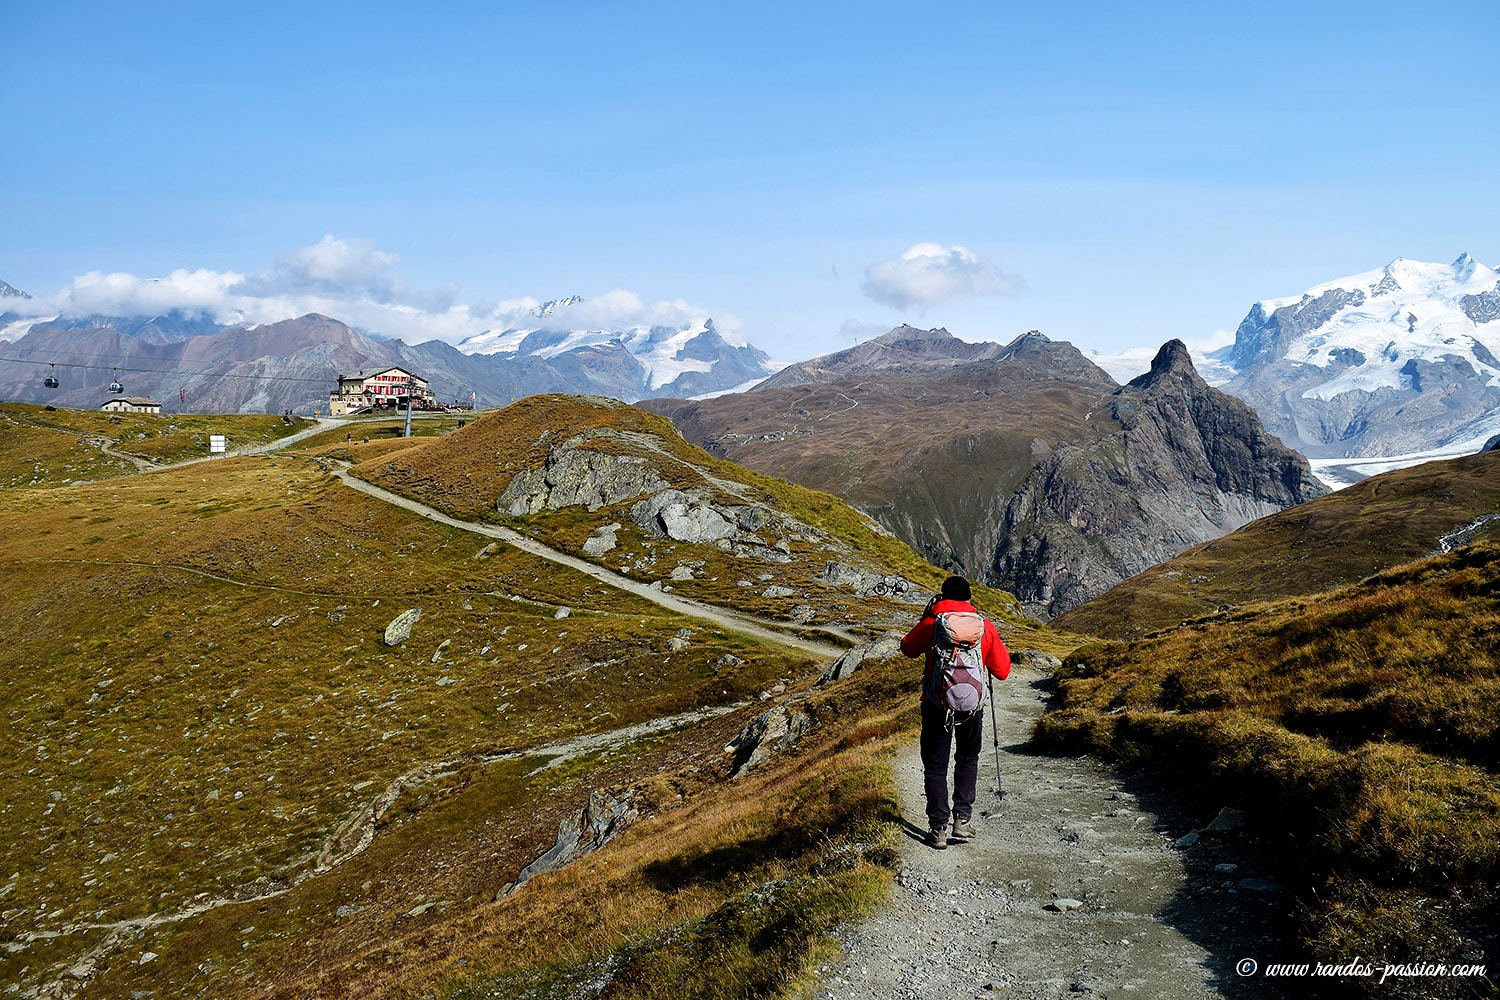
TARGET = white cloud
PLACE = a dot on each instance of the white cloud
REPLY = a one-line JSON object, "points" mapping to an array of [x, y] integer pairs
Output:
{"points": [[120, 294], [352, 281], [928, 273]]}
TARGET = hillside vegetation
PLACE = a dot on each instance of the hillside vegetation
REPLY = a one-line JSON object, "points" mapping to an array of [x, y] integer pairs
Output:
{"points": [[51, 446], [1360, 728], [220, 778], [1325, 543]]}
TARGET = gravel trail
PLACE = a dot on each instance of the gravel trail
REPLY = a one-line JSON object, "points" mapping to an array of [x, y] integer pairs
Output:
{"points": [[1074, 886], [732, 620]]}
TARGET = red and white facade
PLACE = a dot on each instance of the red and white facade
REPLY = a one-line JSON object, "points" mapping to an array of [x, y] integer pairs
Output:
{"points": [[386, 387]]}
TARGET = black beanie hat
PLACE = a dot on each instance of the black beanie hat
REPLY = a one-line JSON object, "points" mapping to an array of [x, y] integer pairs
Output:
{"points": [[956, 588]]}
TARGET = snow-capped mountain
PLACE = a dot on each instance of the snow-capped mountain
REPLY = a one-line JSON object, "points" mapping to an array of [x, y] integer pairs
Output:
{"points": [[204, 364], [1396, 361], [686, 360]]}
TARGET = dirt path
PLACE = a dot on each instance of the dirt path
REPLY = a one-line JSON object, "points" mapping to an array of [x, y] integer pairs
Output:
{"points": [[1074, 886], [733, 621]]}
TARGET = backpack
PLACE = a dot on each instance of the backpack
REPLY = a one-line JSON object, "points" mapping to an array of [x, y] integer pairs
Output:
{"points": [[957, 680]]}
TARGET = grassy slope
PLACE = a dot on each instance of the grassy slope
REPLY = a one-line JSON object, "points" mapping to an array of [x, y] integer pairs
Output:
{"points": [[1335, 540], [465, 473], [1361, 728], [51, 447], [185, 636], [197, 699]]}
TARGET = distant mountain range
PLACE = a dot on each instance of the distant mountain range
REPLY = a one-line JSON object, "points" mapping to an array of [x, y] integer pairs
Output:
{"points": [[1377, 370], [1024, 466], [192, 362], [1396, 361]]}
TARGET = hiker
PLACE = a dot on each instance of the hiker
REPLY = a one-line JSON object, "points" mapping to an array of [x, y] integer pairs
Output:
{"points": [[942, 726]]}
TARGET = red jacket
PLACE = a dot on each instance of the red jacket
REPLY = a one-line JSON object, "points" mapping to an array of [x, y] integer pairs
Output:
{"points": [[919, 641]]}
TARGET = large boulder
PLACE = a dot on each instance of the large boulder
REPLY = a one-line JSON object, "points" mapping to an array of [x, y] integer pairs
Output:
{"points": [[578, 477]]}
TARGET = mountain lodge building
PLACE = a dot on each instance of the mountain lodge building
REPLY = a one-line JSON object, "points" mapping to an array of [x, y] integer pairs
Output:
{"points": [[131, 404], [386, 387]]}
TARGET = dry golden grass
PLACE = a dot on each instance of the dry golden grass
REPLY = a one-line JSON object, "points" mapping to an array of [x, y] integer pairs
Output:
{"points": [[727, 891], [42, 447], [1361, 726], [197, 693], [198, 701]]}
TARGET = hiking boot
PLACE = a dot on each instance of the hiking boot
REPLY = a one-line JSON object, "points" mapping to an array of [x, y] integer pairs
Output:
{"points": [[937, 838], [963, 829]]}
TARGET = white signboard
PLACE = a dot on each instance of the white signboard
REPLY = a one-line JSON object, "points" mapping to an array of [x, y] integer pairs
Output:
{"points": [[217, 444]]}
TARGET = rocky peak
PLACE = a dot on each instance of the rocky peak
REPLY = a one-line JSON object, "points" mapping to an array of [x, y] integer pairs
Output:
{"points": [[912, 340], [11, 292], [1172, 362]]}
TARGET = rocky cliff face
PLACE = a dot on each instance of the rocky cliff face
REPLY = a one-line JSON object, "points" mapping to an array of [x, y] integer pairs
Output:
{"points": [[1023, 466], [1179, 463]]}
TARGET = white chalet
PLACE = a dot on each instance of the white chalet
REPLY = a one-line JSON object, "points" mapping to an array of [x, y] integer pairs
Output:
{"points": [[131, 404], [387, 387]]}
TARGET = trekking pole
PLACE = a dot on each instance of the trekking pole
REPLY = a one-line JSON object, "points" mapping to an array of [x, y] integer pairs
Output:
{"points": [[995, 729]]}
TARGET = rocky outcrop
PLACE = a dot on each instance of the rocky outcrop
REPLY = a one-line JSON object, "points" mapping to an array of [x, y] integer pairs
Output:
{"points": [[776, 729], [884, 648], [575, 476], [694, 517], [603, 819]]}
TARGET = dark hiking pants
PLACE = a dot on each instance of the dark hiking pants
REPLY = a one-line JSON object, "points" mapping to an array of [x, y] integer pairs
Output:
{"points": [[937, 740]]}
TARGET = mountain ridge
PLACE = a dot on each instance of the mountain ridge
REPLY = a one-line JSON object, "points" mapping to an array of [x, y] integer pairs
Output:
{"points": [[193, 363], [1024, 466]]}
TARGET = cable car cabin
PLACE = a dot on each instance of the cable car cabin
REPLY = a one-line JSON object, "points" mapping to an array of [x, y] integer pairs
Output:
{"points": [[50, 381], [116, 387]]}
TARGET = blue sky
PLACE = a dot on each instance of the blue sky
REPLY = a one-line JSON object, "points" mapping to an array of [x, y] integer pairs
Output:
{"points": [[807, 174]]}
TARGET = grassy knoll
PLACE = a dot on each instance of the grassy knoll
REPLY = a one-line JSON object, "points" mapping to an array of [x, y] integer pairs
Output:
{"points": [[1329, 542], [49, 447], [354, 430], [466, 472], [1360, 727]]}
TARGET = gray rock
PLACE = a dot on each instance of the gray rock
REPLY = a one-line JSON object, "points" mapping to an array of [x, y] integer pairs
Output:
{"points": [[578, 477], [881, 649], [685, 522], [1064, 905], [399, 630], [775, 729], [1186, 840], [602, 540], [1261, 885], [601, 820], [1228, 819], [1034, 658]]}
